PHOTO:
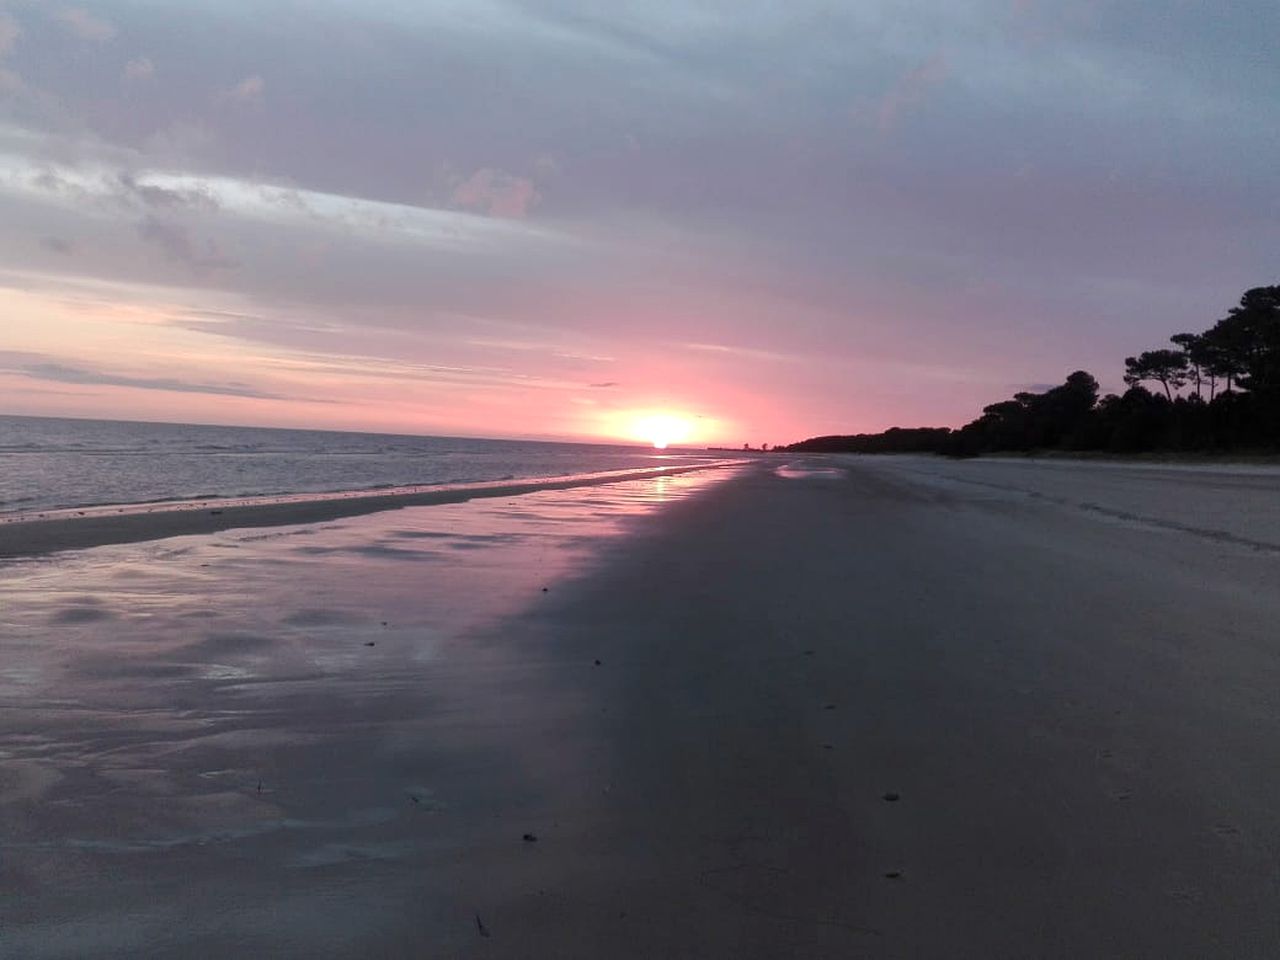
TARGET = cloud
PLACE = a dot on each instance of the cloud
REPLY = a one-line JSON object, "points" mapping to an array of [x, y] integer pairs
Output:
{"points": [[605, 385], [749, 211], [497, 193], [911, 90], [81, 23], [10, 82], [9, 33], [749, 353], [179, 141], [249, 90], [301, 224], [1037, 21], [156, 197], [176, 241], [139, 69], [546, 165], [57, 245], [39, 367]]}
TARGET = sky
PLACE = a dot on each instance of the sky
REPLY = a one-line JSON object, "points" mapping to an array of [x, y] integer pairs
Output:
{"points": [[563, 218]]}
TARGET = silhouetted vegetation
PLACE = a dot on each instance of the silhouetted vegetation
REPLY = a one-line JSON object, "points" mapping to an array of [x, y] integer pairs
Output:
{"points": [[1218, 391], [894, 440]]}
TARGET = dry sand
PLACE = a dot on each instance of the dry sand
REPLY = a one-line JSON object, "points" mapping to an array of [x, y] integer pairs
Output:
{"points": [[892, 707]]}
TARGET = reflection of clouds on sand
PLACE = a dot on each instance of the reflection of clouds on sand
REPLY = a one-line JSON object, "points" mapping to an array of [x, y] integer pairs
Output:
{"points": [[372, 551], [321, 707], [808, 470], [81, 613], [27, 782], [321, 618]]}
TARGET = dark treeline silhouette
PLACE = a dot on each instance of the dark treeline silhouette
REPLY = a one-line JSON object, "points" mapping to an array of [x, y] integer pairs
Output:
{"points": [[1214, 391], [893, 440]]}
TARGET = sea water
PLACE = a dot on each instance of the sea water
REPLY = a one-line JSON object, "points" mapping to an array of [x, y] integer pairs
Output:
{"points": [[51, 463]]}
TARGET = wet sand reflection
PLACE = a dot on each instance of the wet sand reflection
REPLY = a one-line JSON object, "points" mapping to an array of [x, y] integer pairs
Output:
{"points": [[268, 738]]}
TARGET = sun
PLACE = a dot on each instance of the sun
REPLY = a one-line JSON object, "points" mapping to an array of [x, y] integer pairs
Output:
{"points": [[662, 429]]}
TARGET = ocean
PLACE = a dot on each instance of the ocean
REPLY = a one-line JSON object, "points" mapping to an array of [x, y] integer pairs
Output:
{"points": [[53, 463]]}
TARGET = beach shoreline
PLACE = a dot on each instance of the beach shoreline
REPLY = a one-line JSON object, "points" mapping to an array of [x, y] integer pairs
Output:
{"points": [[872, 707], [863, 709], [52, 531], [1175, 460]]}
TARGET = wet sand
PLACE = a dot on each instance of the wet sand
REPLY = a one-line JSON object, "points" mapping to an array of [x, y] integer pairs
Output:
{"points": [[23, 535], [873, 708]]}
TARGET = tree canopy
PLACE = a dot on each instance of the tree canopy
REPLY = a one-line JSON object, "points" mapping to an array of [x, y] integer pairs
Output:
{"points": [[1236, 361]]}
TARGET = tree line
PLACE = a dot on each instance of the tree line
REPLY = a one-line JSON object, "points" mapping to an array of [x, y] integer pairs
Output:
{"points": [[1218, 390]]}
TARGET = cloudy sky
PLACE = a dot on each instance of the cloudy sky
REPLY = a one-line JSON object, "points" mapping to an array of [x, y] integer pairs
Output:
{"points": [[553, 217]]}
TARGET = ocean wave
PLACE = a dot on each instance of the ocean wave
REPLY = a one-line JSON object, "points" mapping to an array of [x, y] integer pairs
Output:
{"points": [[61, 465], [353, 502]]}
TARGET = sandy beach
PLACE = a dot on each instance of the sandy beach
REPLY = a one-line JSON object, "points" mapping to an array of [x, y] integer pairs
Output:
{"points": [[822, 707]]}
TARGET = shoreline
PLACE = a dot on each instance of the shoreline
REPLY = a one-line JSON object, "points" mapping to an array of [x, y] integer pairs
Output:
{"points": [[758, 713], [1250, 463], [934, 756], [1156, 457], [52, 531]]}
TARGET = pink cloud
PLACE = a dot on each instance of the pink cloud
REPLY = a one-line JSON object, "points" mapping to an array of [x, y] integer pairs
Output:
{"points": [[496, 193], [85, 25], [139, 69], [911, 90], [248, 90]]}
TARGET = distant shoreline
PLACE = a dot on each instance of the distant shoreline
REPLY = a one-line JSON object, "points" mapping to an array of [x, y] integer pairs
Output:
{"points": [[1154, 457], [1149, 456], [25, 535]]}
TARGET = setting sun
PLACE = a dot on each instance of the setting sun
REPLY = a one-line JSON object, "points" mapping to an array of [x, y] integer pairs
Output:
{"points": [[662, 430]]}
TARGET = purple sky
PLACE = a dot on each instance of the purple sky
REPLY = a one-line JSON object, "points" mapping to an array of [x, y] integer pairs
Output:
{"points": [[769, 220]]}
